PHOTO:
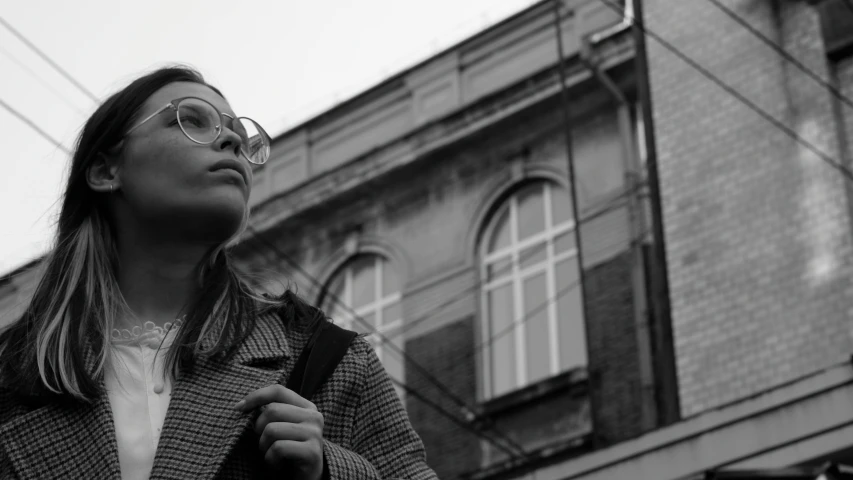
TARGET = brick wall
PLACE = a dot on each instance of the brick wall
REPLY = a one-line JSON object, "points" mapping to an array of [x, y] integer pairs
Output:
{"points": [[757, 227], [446, 352], [613, 357]]}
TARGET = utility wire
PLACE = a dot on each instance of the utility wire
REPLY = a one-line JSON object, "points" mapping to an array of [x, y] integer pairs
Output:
{"points": [[373, 195], [47, 59], [411, 324], [734, 93], [475, 351], [781, 51], [528, 315], [432, 379], [35, 127], [453, 418], [39, 79]]}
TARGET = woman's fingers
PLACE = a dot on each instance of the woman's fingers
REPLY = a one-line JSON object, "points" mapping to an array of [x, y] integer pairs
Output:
{"points": [[276, 431], [276, 393], [299, 453], [280, 412]]}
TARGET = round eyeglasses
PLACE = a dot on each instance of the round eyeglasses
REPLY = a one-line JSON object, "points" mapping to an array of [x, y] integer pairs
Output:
{"points": [[201, 122]]}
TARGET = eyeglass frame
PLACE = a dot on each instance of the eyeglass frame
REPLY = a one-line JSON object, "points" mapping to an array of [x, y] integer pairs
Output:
{"points": [[174, 106]]}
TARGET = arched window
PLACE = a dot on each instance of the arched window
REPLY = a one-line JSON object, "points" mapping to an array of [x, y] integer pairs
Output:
{"points": [[369, 286], [533, 324]]}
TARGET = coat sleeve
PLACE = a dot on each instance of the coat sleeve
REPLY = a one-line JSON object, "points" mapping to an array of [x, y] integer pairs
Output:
{"points": [[6, 472], [384, 446]]}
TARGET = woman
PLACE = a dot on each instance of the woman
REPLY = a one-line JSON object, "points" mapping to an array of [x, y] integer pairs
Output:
{"points": [[144, 355]]}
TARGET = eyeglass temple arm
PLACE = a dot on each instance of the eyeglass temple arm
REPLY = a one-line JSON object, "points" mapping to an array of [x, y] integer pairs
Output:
{"points": [[149, 117]]}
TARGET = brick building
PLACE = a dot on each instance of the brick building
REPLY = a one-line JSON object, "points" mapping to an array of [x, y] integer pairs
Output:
{"points": [[436, 207]]}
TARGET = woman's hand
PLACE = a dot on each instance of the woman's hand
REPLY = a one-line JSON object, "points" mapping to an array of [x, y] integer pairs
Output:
{"points": [[291, 431]]}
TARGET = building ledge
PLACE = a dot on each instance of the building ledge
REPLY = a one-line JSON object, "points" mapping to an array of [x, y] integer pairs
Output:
{"points": [[549, 454], [788, 425], [575, 379]]}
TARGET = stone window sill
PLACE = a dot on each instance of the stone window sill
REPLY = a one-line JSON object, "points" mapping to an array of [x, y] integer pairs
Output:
{"points": [[575, 379]]}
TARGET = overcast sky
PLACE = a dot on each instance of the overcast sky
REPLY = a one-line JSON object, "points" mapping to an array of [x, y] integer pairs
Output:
{"points": [[278, 62]]}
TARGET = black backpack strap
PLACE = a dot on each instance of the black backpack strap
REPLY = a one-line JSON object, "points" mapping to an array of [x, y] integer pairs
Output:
{"points": [[321, 355]]}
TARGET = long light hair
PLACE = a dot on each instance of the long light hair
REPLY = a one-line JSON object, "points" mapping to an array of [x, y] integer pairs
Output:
{"points": [[59, 347]]}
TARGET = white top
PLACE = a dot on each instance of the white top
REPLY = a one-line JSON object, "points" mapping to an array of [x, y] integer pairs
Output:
{"points": [[139, 394]]}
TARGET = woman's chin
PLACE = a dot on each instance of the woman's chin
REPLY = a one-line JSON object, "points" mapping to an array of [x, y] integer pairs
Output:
{"points": [[213, 223]]}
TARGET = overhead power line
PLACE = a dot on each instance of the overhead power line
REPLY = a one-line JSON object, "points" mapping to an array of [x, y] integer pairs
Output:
{"points": [[734, 93], [488, 342], [47, 59], [35, 127], [516, 452], [453, 418], [411, 324], [781, 51], [40, 80]]}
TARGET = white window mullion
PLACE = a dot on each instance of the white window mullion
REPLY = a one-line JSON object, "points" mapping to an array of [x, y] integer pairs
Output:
{"points": [[344, 303], [486, 324], [553, 324], [518, 304], [565, 255], [551, 286], [377, 296]]}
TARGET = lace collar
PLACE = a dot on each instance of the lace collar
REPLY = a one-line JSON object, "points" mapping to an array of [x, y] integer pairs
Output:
{"points": [[148, 334]]}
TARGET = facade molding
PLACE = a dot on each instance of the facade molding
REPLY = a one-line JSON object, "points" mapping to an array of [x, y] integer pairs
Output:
{"points": [[363, 244], [497, 192]]}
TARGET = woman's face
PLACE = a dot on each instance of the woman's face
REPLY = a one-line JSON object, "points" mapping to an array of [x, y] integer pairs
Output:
{"points": [[169, 182]]}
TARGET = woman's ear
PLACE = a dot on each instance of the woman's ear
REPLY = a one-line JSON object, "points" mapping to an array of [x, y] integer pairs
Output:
{"points": [[103, 175]]}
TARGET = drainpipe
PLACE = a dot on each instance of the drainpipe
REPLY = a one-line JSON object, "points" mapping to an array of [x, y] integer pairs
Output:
{"points": [[637, 229], [660, 403]]}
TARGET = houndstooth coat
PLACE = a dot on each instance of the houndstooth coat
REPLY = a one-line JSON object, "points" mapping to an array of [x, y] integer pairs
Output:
{"points": [[367, 432]]}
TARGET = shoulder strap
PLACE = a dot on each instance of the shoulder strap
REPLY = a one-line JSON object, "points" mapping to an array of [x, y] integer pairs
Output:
{"points": [[321, 355]]}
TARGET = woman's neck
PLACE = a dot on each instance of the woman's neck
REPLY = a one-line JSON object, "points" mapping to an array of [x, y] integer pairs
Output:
{"points": [[156, 279]]}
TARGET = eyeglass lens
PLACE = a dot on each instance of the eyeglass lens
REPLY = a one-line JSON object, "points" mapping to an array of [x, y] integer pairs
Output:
{"points": [[199, 121]]}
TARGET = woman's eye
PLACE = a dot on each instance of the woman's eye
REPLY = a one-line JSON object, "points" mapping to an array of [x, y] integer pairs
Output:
{"points": [[191, 120]]}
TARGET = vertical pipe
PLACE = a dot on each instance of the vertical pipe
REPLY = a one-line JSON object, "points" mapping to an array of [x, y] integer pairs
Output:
{"points": [[638, 229], [567, 129], [669, 408]]}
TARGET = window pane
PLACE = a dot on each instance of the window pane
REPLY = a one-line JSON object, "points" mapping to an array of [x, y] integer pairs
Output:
{"points": [[342, 318], [531, 211], [536, 328], [390, 281], [564, 242], [532, 255], [392, 361], [572, 333], [499, 268], [561, 205], [363, 280], [391, 313], [503, 339], [335, 293], [501, 233], [368, 325]]}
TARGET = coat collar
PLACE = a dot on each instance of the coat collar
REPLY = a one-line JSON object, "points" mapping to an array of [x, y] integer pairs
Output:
{"points": [[79, 440]]}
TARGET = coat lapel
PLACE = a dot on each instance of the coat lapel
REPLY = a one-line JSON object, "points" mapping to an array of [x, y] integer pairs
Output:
{"points": [[63, 441], [201, 425]]}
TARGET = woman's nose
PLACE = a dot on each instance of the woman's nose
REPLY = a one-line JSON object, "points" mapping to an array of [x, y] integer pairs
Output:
{"points": [[228, 140]]}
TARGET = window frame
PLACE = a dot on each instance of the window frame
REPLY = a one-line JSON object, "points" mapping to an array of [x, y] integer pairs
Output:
{"points": [[375, 307], [517, 277]]}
